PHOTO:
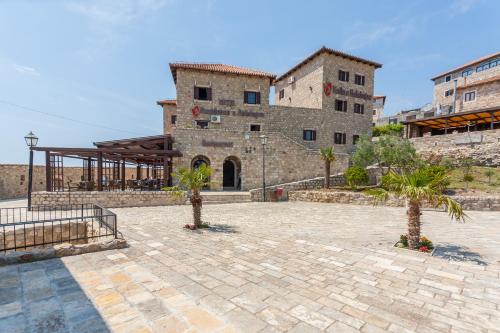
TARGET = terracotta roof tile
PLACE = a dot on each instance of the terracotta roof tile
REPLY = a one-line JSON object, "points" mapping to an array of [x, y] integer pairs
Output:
{"points": [[220, 68], [470, 63], [325, 49], [167, 102]]}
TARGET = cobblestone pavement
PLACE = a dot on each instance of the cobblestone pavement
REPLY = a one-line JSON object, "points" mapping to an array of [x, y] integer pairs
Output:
{"points": [[297, 267]]}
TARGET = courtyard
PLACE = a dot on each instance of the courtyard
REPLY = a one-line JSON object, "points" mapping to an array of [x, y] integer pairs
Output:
{"points": [[266, 267]]}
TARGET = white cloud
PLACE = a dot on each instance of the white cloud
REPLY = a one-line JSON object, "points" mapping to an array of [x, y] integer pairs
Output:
{"points": [[368, 36], [116, 12], [25, 70], [462, 6]]}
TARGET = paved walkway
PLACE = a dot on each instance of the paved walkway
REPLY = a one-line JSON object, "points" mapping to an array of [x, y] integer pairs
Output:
{"points": [[297, 267]]}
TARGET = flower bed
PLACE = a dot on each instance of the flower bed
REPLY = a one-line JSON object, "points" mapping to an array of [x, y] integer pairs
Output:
{"points": [[425, 244]]}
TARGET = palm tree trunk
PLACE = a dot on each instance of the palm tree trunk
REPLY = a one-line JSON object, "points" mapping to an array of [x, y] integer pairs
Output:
{"points": [[196, 202], [327, 174], [413, 224]]}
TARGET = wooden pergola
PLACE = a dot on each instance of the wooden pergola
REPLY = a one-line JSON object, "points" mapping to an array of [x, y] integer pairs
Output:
{"points": [[488, 118], [109, 160]]}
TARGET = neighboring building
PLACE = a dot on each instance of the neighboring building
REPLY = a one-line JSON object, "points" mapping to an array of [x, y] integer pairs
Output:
{"points": [[466, 98], [378, 108], [425, 111], [221, 111], [472, 86]]}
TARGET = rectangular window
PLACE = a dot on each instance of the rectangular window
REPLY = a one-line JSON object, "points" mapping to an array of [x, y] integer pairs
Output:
{"points": [[374, 112], [339, 138], [355, 139], [309, 135], [254, 128], [359, 79], [251, 97], [447, 78], [202, 93], [448, 93], [393, 121], [467, 72], [340, 105], [359, 108], [173, 119], [470, 96], [202, 124], [412, 117], [282, 94], [343, 76]]}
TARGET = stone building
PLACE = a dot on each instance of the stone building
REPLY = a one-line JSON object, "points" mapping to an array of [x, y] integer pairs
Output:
{"points": [[378, 108], [466, 98], [220, 112]]}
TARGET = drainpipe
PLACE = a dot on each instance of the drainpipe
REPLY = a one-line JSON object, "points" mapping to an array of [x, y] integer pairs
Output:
{"points": [[454, 95]]}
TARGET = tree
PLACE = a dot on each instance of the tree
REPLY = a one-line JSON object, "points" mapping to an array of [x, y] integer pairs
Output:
{"points": [[489, 173], [389, 129], [467, 164], [327, 155], [416, 187], [388, 152], [194, 180]]}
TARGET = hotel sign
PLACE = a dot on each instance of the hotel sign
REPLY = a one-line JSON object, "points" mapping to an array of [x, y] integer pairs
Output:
{"points": [[219, 144], [329, 89], [238, 112]]}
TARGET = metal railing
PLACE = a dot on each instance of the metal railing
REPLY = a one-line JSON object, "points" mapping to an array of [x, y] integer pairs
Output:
{"points": [[24, 228]]}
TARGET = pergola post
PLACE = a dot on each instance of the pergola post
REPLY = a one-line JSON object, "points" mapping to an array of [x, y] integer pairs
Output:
{"points": [[123, 175], [170, 181], [165, 171], [48, 179], [138, 172], [89, 169], [446, 126], [492, 118], [99, 171], [147, 171]]}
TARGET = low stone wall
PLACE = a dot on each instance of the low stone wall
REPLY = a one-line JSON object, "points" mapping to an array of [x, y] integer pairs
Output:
{"points": [[490, 203], [109, 199], [33, 236], [481, 146], [310, 184]]}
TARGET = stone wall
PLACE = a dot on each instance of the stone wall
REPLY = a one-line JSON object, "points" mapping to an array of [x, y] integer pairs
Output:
{"points": [[286, 160], [108, 199], [489, 203], [310, 184], [482, 146], [14, 179], [34, 236]]}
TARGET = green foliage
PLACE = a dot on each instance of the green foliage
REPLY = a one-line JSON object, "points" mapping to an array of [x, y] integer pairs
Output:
{"points": [[418, 186], [389, 129], [194, 179], [489, 173], [388, 151], [424, 241], [356, 176], [447, 163], [468, 177], [403, 239], [327, 154]]}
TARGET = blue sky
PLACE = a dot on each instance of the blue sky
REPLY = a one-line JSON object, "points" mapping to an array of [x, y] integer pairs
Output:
{"points": [[105, 63]]}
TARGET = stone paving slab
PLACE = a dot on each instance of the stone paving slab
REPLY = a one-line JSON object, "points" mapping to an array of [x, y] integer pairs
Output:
{"points": [[267, 267]]}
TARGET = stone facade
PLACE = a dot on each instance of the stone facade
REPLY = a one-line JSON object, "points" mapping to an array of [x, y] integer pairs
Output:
{"points": [[488, 203], [486, 84], [14, 179], [233, 127], [482, 146], [378, 109], [108, 199]]}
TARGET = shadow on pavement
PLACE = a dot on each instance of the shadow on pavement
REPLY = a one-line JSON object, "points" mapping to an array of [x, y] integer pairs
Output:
{"points": [[44, 297], [458, 253]]}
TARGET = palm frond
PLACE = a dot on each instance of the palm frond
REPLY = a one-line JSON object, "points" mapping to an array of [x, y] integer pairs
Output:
{"points": [[453, 208]]}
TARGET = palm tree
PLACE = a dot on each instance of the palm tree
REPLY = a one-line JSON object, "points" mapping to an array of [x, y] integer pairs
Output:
{"points": [[194, 180], [489, 173], [327, 155], [417, 187]]}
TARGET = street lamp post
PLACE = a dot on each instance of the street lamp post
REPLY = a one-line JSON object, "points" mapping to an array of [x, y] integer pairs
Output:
{"points": [[31, 141], [263, 141]]}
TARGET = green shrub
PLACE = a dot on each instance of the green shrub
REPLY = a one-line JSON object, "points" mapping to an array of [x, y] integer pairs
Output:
{"points": [[468, 177], [389, 129], [424, 241], [356, 176]]}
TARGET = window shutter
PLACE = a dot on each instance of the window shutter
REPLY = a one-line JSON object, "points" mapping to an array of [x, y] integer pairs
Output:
{"points": [[347, 76], [245, 97], [303, 135], [314, 135], [257, 97], [209, 94], [196, 94], [343, 138]]}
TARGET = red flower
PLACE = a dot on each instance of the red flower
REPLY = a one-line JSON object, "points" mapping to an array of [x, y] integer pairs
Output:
{"points": [[423, 249]]}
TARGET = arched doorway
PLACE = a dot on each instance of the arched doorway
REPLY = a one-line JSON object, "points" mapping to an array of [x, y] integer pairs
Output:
{"points": [[199, 160], [231, 174]]}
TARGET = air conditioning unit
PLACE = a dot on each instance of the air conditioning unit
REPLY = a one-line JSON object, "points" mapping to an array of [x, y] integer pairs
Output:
{"points": [[215, 119], [291, 79]]}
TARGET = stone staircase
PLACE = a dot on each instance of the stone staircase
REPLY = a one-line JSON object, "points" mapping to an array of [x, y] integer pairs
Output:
{"points": [[223, 197]]}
